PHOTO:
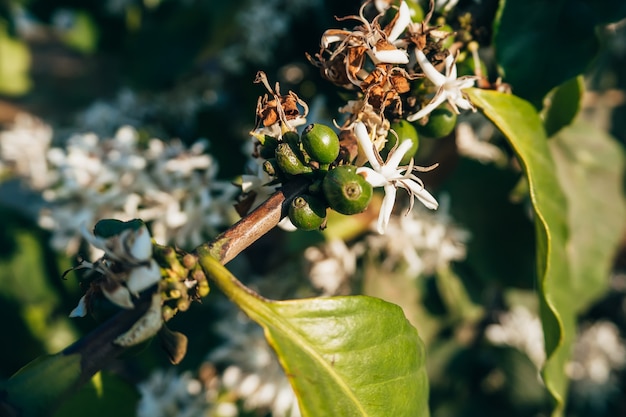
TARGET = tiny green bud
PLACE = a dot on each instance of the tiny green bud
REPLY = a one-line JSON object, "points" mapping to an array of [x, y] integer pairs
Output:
{"points": [[290, 161]]}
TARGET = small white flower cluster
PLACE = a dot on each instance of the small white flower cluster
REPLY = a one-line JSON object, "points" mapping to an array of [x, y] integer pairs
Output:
{"points": [[422, 241], [419, 243], [599, 351], [331, 266], [170, 186], [251, 381], [253, 374], [23, 150], [521, 329], [121, 274], [596, 367], [168, 394], [470, 142]]}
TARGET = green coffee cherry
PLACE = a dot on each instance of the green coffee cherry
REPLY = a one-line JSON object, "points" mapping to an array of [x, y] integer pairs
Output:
{"points": [[441, 122], [268, 148], [289, 160], [321, 143], [404, 130], [307, 212], [346, 191]]}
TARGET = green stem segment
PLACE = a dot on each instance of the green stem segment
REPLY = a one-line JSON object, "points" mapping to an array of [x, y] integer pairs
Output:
{"points": [[249, 301]]}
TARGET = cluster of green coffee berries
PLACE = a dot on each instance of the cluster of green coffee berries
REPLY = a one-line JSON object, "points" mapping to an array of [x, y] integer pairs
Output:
{"points": [[315, 155]]}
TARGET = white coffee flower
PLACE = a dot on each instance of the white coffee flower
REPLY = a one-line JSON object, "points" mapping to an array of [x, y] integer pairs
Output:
{"points": [[449, 87], [390, 176]]}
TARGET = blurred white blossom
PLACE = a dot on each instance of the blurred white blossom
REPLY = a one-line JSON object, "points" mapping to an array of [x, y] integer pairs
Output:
{"points": [[521, 329], [470, 143], [423, 241], [598, 352], [253, 373], [596, 367], [23, 148], [166, 184], [330, 266], [251, 380], [168, 394], [170, 186]]}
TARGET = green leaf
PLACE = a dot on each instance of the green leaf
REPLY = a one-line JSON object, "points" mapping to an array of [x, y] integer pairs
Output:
{"points": [[541, 44], [344, 356], [105, 395], [590, 166], [564, 104], [40, 387], [522, 126]]}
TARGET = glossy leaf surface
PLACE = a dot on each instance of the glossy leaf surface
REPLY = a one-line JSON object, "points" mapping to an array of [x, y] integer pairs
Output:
{"points": [[590, 166], [523, 128], [348, 356]]}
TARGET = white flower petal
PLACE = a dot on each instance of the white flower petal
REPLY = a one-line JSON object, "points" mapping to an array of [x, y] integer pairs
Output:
{"points": [[141, 248], [450, 67], [422, 195], [398, 154], [403, 20], [81, 308], [436, 102], [463, 103], [386, 208], [429, 70], [143, 277], [331, 38], [376, 179], [366, 144], [286, 225], [390, 56]]}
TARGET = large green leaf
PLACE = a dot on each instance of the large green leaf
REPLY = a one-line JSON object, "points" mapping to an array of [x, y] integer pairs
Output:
{"points": [[590, 167], [344, 356], [105, 395], [522, 126], [38, 388], [541, 44]]}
